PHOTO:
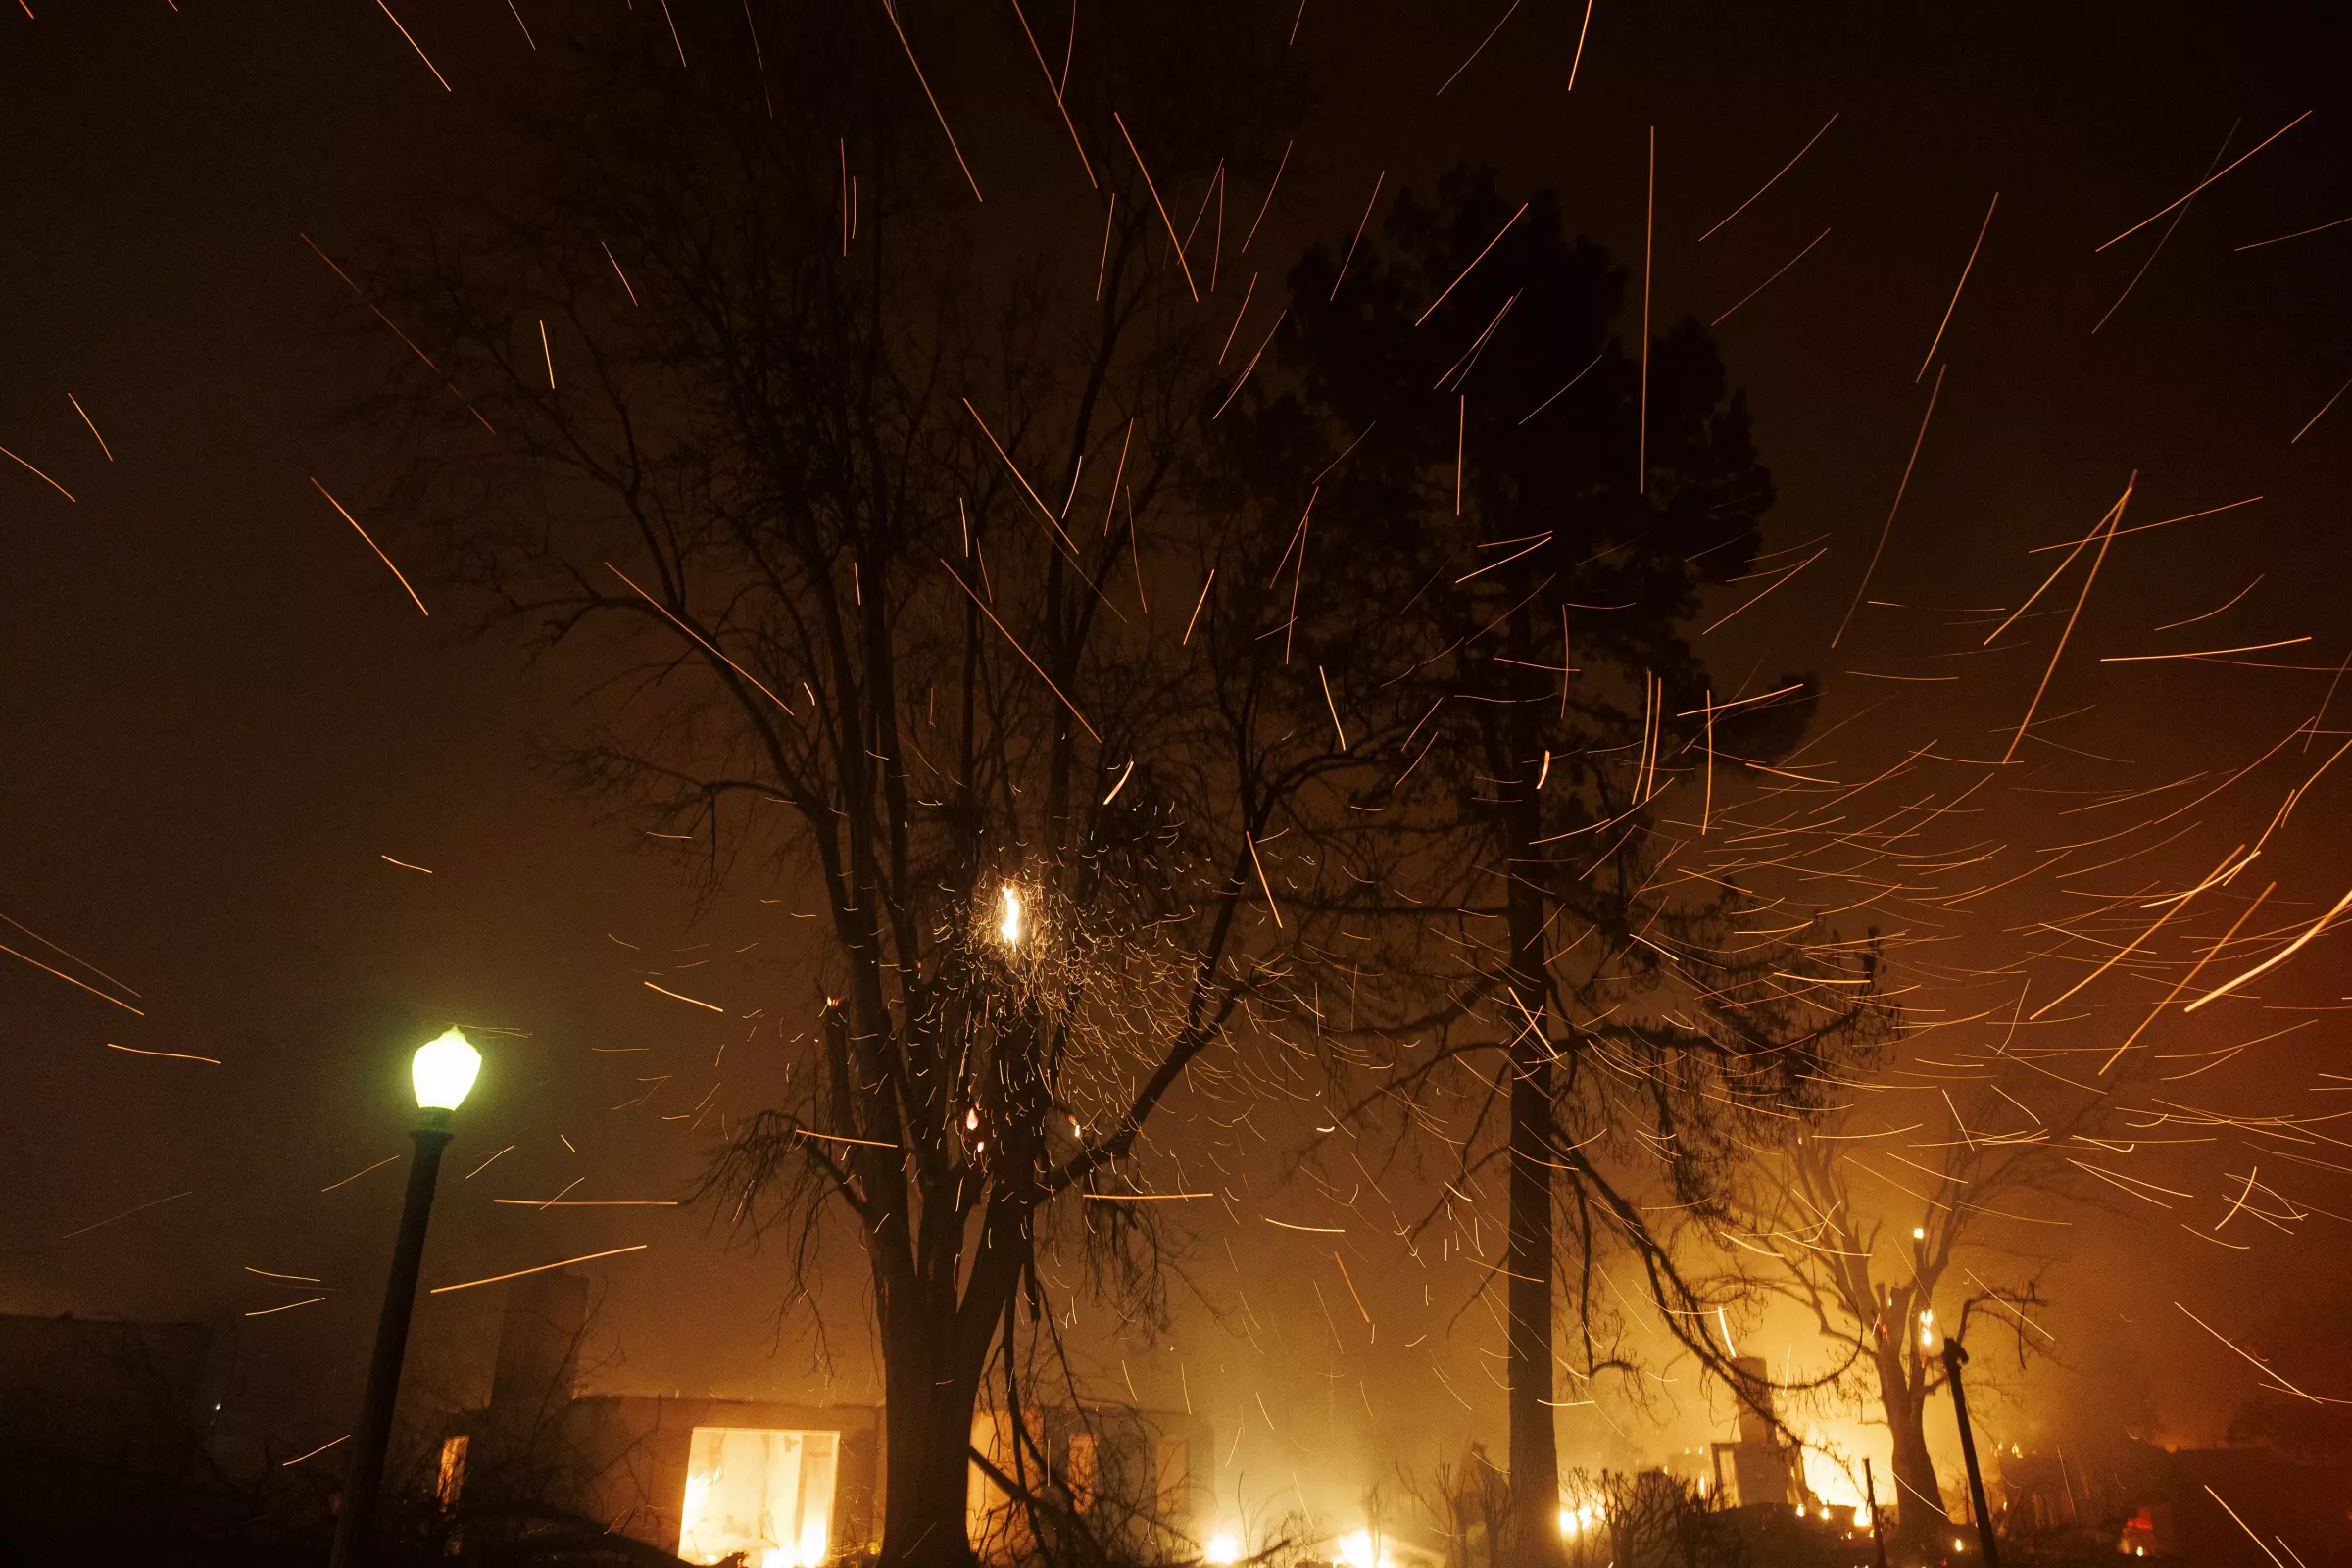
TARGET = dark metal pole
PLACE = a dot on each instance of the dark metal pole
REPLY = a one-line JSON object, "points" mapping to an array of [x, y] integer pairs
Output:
{"points": [[363, 1480], [1954, 1358], [1878, 1526]]}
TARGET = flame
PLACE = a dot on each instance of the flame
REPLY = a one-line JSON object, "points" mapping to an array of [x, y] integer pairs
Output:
{"points": [[1010, 928]]}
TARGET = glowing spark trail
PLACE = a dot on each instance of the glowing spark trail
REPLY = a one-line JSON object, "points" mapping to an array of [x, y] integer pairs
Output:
{"points": [[1474, 261], [1909, 463], [69, 495], [2276, 958], [1023, 652], [1342, 276], [1971, 267], [892, 12], [1164, 206], [2295, 440], [1649, 234], [69, 980], [176, 1055], [1768, 283], [127, 1213], [2082, 599], [1507, 14], [1086, 162], [315, 1453], [1578, 58], [705, 643], [86, 419], [357, 1174], [585, 1257], [74, 957], [713, 1006], [1768, 184], [419, 48], [371, 544], [2207, 180]]}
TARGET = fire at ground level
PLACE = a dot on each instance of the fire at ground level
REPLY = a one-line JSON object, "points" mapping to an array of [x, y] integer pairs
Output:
{"points": [[85, 1411]]}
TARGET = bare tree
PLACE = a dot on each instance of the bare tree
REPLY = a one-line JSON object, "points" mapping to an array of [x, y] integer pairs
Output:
{"points": [[1892, 1241], [849, 522], [1655, 1520]]}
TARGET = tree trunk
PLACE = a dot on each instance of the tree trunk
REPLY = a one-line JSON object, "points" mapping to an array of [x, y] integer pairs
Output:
{"points": [[933, 1387], [927, 1492], [1920, 1519], [1534, 1461]]}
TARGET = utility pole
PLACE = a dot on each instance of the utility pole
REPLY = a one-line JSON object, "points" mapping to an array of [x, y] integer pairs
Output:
{"points": [[1954, 1358]]}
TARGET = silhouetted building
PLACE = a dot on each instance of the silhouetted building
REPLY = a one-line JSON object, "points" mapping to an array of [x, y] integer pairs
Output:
{"points": [[786, 1485], [1760, 1468], [2228, 1506]]}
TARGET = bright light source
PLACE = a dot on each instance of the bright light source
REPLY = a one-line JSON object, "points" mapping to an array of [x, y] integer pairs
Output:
{"points": [[1010, 928], [1567, 1521], [1919, 1233], [1927, 1330], [1958, 1545], [759, 1497], [1862, 1516], [443, 1070], [1222, 1549]]}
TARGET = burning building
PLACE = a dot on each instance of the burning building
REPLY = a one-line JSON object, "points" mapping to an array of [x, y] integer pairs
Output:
{"points": [[786, 1485], [1759, 1467]]}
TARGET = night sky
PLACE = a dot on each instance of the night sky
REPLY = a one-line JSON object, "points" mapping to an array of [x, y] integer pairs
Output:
{"points": [[221, 722]]}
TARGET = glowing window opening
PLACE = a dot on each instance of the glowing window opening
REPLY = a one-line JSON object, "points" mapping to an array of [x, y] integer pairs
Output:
{"points": [[766, 1495]]}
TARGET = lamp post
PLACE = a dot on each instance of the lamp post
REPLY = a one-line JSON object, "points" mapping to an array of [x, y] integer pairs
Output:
{"points": [[443, 1070]]}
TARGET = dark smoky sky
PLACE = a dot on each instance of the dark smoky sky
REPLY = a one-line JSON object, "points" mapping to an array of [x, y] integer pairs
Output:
{"points": [[217, 716]]}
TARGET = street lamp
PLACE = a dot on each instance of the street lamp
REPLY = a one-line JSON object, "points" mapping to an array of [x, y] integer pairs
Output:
{"points": [[442, 1071]]}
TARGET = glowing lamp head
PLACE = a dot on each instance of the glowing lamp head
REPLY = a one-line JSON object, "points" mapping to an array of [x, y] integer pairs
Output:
{"points": [[1222, 1550], [1919, 1233], [443, 1070], [1010, 928]]}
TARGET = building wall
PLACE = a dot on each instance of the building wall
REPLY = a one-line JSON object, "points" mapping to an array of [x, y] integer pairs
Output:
{"points": [[624, 1460], [1139, 1477], [644, 1444]]}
